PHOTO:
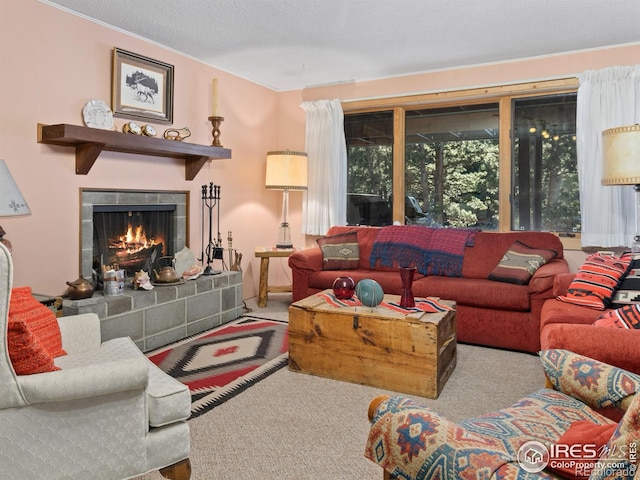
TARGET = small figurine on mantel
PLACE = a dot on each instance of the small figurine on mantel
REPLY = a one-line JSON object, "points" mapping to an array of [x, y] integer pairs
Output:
{"points": [[141, 280], [177, 134]]}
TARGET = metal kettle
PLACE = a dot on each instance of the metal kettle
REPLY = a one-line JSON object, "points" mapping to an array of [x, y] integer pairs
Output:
{"points": [[80, 289], [167, 274]]}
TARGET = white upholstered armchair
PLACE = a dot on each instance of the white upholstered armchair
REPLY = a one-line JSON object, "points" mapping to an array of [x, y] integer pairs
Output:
{"points": [[108, 413]]}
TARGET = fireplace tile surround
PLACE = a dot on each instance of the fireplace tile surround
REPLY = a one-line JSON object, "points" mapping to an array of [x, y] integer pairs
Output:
{"points": [[165, 314], [89, 198]]}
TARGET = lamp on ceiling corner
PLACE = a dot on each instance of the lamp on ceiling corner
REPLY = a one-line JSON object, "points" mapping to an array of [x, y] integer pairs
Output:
{"points": [[621, 165], [286, 170], [12, 203]]}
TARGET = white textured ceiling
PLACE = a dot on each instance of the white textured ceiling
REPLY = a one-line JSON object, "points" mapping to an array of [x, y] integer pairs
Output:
{"points": [[292, 44]]}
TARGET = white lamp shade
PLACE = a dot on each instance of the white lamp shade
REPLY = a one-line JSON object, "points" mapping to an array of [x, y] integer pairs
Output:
{"points": [[12, 203], [286, 170], [621, 156]]}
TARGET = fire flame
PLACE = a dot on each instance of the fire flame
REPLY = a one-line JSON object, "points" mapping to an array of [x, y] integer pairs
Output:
{"points": [[133, 241]]}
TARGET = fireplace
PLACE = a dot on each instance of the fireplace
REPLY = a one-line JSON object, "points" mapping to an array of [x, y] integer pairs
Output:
{"points": [[163, 315], [132, 237], [131, 229]]}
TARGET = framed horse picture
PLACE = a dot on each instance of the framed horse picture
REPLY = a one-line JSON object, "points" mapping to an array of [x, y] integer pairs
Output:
{"points": [[142, 88]]}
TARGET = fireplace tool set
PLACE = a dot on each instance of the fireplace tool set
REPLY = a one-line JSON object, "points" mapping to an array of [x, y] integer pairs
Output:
{"points": [[214, 249]]}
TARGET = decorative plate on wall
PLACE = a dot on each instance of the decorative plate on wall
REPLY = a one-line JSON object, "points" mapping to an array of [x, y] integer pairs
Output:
{"points": [[97, 114]]}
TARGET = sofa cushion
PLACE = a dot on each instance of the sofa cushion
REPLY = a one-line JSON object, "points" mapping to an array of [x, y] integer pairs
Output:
{"points": [[520, 262], [405, 436], [33, 334], [168, 400], [570, 327], [580, 433], [340, 252], [489, 247], [624, 317], [475, 293], [389, 281], [596, 281]]}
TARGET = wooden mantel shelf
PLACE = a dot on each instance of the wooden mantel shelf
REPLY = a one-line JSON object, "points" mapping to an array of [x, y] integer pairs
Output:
{"points": [[90, 142]]}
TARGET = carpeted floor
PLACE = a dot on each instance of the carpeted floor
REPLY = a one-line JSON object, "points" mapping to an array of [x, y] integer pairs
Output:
{"points": [[292, 426]]}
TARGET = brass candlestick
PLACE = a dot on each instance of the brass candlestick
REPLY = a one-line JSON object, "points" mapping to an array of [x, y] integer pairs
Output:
{"points": [[215, 122]]}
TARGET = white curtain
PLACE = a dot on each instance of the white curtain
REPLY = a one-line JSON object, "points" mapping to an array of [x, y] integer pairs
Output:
{"points": [[606, 98], [325, 201]]}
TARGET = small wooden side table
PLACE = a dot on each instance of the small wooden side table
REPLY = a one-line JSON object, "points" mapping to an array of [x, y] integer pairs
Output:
{"points": [[264, 254]]}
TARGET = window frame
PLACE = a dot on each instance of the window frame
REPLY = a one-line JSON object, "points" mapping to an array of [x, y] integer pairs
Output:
{"points": [[501, 94]]}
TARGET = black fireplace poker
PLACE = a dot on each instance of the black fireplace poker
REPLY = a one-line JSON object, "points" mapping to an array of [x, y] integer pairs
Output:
{"points": [[214, 249]]}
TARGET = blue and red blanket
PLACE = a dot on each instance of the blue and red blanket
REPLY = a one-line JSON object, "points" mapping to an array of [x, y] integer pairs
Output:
{"points": [[433, 251]]}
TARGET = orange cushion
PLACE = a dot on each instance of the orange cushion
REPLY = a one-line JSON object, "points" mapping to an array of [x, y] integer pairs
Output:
{"points": [[33, 334], [623, 317], [595, 283], [580, 433]]}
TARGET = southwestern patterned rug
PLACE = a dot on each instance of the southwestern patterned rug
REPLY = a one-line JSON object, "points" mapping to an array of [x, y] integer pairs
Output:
{"points": [[219, 364]]}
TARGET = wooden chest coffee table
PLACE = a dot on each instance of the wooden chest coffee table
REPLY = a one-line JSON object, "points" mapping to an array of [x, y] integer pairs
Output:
{"points": [[379, 347]]}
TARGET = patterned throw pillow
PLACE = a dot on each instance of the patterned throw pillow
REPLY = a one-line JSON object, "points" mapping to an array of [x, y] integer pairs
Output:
{"points": [[520, 262], [340, 252], [597, 280], [595, 383], [628, 292], [624, 317], [33, 334]]}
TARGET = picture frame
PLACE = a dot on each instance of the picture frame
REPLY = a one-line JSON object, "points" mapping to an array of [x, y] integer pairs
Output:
{"points": [[142, 88]]}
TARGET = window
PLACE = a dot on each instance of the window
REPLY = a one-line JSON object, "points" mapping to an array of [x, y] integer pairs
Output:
{"points": [[545, 175], [451, 166], [369, 140], [501, 158]]}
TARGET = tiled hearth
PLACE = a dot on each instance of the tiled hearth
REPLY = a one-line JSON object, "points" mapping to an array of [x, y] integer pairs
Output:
{"points": [[167, 313]]}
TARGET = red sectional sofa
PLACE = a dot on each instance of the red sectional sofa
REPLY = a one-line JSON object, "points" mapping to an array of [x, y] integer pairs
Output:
{"points": [[570, 327], [489, 313]]}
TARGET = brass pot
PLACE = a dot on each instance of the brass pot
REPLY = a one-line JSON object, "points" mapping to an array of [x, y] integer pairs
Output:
{"points": [[166, 275], [80, 289]]}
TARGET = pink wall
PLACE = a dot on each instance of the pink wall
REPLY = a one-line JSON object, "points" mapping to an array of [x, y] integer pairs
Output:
{"points": [[540, 68], [54, 62]]}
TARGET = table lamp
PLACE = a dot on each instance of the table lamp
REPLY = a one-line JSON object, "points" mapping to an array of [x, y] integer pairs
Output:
{"points": [[621, 164], [286, 170], [12, 203]]}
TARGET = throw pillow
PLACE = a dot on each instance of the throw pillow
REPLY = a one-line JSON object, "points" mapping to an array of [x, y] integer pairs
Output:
{"points": [[340, 252], [624, 317], [579, 433], [594, 383], [628, 292], [597, 280], [619, 455], [33, 334], [520, 262]]}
